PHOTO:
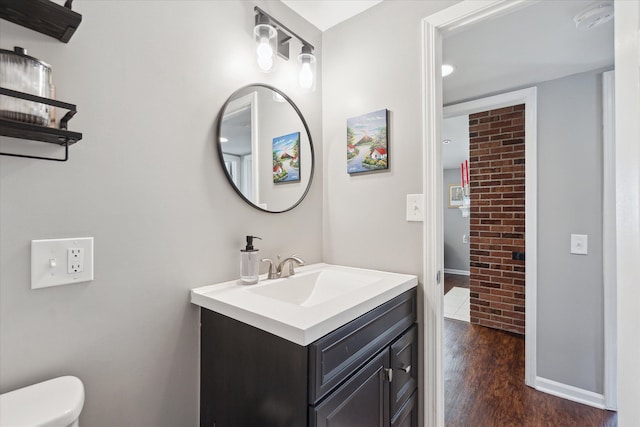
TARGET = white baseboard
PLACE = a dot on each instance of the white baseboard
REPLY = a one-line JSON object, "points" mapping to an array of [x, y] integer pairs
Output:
{"points": [[458, 272], [572, 393]]}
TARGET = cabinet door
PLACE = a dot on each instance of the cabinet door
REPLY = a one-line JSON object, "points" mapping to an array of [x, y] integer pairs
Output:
{"points": [[363, 401]]}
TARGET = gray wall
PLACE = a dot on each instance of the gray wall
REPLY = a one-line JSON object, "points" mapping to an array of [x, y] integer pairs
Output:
{"points": [[570, 287], [456, 253], [148, 79], [373, 61]]}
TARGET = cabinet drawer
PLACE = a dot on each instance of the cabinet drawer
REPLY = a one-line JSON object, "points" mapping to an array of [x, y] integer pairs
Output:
{"points": [[404, 363], [336, 356], [408, 414]]}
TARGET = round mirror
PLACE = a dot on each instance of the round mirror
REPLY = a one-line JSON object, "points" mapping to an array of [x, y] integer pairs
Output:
{"points": [[265, 148]]}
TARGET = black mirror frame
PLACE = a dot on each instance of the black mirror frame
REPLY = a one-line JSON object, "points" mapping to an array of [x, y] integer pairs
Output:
{"points": [[219, 119]]}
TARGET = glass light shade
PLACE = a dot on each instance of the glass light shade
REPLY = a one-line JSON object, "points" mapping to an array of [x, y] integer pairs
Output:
{"points": [[266, 46], [447, 69], [307, 79]]}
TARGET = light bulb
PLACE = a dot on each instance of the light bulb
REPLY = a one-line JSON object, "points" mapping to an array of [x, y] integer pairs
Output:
{"points": [[265, 36], [306, 76], [265, 54], [307, 69], [266, 63]]}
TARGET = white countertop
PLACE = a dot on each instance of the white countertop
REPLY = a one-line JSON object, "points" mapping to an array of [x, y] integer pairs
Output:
{"points": [[294, 321]]}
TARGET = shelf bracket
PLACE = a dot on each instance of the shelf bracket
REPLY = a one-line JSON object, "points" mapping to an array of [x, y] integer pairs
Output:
{"points": [[24, 156]]}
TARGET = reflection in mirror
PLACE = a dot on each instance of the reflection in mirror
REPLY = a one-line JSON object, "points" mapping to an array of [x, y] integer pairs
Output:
{"points": [[265, 147]]}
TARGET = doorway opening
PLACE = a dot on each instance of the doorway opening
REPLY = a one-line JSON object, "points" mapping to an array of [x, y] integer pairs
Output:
{"points": [[484, 244], [448, 21]]}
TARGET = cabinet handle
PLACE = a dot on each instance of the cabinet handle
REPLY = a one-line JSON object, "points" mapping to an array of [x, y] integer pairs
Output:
{"points": [[388, 374], [407, 369]]}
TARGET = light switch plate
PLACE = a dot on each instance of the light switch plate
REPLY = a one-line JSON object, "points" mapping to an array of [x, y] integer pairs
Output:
{"points": [[51, 265], [579, 244], [415, 207]]}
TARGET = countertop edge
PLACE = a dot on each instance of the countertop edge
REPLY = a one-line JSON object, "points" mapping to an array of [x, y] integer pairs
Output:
{"points": [[293, 333]]}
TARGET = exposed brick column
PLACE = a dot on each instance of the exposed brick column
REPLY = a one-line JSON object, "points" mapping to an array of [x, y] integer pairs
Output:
{"points": [[496, 167]]}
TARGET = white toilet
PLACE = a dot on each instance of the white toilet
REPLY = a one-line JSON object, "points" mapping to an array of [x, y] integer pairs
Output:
{"points": [[54, 403]]}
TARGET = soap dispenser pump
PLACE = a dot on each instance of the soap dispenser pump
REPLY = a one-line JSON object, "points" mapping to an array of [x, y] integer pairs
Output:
{"points": [[249, 262]]}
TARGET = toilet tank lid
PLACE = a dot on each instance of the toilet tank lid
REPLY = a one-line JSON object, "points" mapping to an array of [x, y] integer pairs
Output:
{"points": [[52, 403]]}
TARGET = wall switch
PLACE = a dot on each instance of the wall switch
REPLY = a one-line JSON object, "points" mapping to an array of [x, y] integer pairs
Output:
{"points": [[415, 207], [57, 262], [465, 238], [579, 244]]}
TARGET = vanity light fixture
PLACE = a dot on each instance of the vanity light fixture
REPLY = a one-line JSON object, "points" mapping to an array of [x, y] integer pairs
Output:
{"points": [[447, 69], [266, 43], [272, 38]]}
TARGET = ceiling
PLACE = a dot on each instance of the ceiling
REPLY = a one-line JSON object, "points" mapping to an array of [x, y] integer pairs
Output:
{"points": [[324, 14], [455, 130], [531, 45]]}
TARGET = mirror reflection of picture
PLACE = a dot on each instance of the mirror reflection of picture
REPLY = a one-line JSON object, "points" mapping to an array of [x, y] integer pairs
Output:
{"points": [[456, 196], [286, 158]]}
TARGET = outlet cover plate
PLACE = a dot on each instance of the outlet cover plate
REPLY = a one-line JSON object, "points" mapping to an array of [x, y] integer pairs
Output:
{"points": [[50, 262]]}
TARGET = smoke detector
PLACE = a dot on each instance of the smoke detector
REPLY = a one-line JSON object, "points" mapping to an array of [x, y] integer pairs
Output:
{"points": [[594, 15]]}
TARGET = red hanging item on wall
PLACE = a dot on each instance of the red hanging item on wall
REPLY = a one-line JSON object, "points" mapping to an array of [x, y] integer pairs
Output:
{"points": [[466, 166]]}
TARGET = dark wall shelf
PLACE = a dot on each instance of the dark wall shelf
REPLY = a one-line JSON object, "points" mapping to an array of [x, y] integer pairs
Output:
{"points": [[61, 136], [43, 16], [38, 133]]}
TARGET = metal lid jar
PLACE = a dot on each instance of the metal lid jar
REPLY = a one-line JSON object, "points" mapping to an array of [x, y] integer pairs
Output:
{"points": [[27, 74]]}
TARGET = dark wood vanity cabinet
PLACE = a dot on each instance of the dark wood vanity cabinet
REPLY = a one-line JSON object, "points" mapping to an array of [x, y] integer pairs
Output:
{"points": [[361, 374]]}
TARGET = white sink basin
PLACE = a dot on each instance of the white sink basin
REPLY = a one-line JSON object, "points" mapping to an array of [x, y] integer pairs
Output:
{"points": [[302, 308], [312, 288]]}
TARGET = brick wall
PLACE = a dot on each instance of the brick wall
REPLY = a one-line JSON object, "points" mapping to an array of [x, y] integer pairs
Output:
{"points": [[496, 167]]}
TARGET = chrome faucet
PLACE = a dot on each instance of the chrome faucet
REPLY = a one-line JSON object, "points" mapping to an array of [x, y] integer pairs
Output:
{"points": [[277, 271]]}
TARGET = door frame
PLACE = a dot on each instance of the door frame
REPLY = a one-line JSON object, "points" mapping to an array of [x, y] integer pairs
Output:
{"points": [[626, 60], [609, 241], [528, 97], [433, 27]]}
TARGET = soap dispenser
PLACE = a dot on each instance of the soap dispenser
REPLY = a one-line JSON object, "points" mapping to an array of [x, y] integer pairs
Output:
{"points": [[249, 262]]}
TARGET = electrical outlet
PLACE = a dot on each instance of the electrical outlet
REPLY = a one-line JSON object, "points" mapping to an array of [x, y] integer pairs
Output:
{"points": [[48, 266], [75, 260]]}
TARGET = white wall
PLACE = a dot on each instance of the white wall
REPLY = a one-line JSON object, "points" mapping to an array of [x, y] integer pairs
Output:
{"points": [[148, 79]]}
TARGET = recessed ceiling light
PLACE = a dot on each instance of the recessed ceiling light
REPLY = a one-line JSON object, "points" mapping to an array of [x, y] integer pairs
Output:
{"points": [[447, 69], [446, 141]]}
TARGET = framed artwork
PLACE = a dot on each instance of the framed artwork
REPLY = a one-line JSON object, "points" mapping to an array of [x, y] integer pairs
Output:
{"points": [[286, 158], [368, 142], [456, 196]]}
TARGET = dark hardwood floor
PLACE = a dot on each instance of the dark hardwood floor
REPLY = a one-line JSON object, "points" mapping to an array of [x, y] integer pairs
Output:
{"points": [[484, 384], [451, 280]]}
